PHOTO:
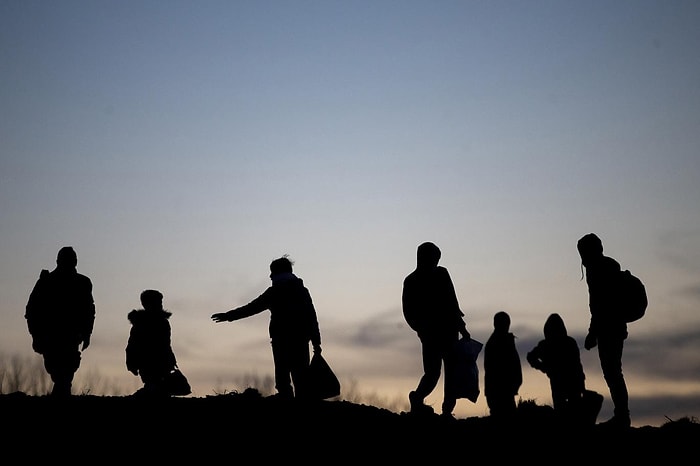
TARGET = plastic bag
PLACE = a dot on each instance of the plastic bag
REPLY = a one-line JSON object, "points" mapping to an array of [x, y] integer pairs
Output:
{"points": [[590, 405], [176, 383], [463, 382], [323, 382]]}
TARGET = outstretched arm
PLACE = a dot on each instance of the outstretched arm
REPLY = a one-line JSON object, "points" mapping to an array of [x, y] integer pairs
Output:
{"points": [[221, 317], [256, 306]]}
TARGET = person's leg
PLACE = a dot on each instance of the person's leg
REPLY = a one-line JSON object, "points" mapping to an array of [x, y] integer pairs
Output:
{"points": [[283, 368], [153, 384], [299, 361], [610, 355], [448, 357], [448, 405], [558, 395], [61, 364], [510, 407], [432, 365], [62, 383]]}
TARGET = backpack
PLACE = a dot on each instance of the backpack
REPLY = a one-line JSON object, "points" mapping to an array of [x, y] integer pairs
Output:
{"points": [[633, 297]]}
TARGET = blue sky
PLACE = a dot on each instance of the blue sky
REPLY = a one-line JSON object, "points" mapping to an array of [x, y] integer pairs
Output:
{"points": [[183, 145]]}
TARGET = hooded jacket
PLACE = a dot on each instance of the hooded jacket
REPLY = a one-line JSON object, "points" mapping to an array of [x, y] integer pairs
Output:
{"points": [[149, 348], [558, 356], [430, 304], [603, 280]]}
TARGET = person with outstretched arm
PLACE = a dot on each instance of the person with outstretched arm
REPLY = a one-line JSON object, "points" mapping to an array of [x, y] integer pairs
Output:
{"points": [[293, 325]]}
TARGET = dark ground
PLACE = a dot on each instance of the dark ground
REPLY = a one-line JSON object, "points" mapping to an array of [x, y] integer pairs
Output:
{"points": [[246, 426]]}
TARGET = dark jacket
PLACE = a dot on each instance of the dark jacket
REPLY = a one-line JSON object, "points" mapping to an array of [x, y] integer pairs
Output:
{"points": [[292, 312], [560, 359], [502, 368], [60, 311], [602, 277], [430, 304], [558, 356], [149, 350]]}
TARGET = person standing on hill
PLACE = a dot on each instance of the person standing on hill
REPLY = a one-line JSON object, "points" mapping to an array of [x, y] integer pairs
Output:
{"points": [[607, 329], [431, 309], [293, 325], [60, 316], [503, 374]]}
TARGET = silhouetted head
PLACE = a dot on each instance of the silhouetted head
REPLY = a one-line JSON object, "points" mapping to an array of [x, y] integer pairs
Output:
{"points": [[554, 327], [152, 300], [428, 255], [281, 265], [501, 321], [589, 247], [66, 258]]}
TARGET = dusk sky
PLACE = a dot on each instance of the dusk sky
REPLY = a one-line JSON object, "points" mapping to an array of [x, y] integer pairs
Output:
{"points": [[183, 145]]}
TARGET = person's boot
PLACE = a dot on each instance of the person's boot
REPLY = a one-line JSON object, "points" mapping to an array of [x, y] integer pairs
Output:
{"points": [[61, 390], [417, 405], [447, 407], [618, 421]]}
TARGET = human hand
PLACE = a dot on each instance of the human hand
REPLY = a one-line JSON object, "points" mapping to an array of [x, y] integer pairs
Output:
{"points": [[220, 317], [590, 342]]}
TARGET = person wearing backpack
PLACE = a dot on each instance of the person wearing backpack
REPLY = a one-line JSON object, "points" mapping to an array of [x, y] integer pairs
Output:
{"points": [[608, 328], [60, 316]]}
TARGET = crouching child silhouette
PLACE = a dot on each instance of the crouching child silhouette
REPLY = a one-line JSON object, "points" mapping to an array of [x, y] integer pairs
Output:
{"points": [[149, 352], [559, 357]]}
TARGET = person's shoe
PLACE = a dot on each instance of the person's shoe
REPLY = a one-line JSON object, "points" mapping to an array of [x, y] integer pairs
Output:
{"points": [[617, 422], [448, 407], [417, 405], [61, 390]]}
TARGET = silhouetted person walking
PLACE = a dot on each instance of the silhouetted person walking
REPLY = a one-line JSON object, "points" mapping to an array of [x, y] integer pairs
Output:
{"points": [[503, 373], [431, 309], [60, 317], [607, 329], [558, 356], [293, 324], [149, 351]]}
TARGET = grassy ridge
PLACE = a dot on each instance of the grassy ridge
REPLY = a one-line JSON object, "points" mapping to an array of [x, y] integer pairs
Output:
{"points": [[247, 424]]}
